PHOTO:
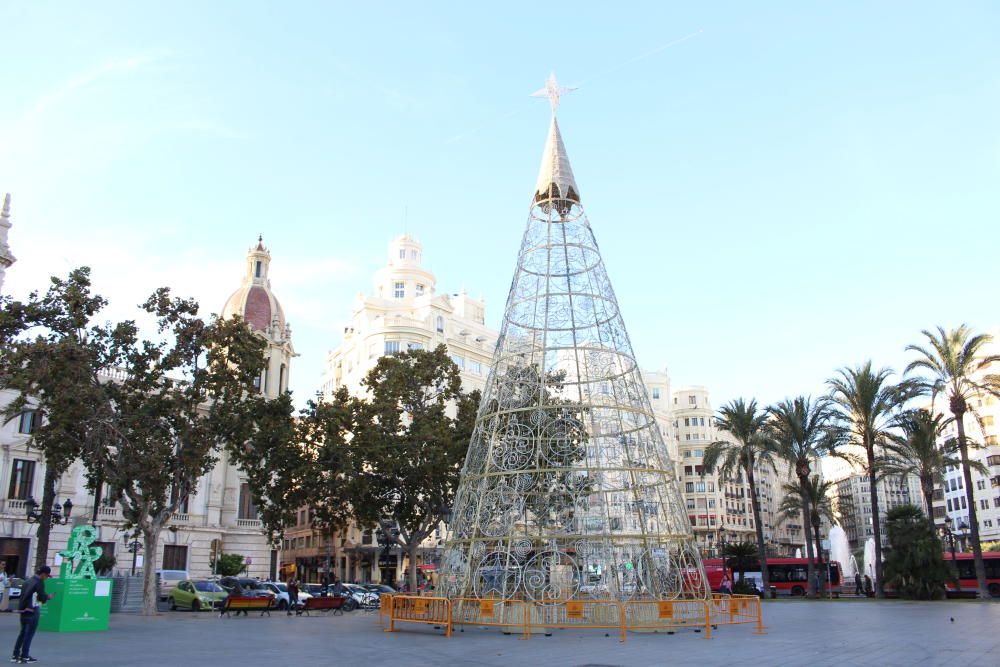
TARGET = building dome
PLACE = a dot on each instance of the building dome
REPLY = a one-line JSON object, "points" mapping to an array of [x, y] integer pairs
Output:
{"points": [[254, 301]]}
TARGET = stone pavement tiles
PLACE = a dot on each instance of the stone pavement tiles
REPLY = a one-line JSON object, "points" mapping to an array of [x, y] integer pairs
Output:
{"points": [[836, 633]]}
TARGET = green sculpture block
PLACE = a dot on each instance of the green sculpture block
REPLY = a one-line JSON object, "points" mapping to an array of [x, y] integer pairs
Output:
{"points": [[79, 555], [82, 602]]}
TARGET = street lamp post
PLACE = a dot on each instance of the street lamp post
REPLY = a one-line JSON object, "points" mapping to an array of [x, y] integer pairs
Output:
{"points": [[60, 515], [134, 547]]}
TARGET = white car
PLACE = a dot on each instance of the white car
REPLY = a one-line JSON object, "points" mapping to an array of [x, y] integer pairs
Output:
{"points": [[280, 592], [359, 596], [169, 580]]}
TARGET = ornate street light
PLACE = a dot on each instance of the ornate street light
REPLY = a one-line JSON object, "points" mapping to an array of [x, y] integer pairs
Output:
{"points": [[60, 515]]}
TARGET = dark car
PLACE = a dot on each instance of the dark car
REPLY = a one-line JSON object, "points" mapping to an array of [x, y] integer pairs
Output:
{"points": [[247, 585]]}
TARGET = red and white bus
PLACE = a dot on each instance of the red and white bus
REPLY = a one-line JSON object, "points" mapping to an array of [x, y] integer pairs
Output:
{"points": [[788, 576], [967, 572]]}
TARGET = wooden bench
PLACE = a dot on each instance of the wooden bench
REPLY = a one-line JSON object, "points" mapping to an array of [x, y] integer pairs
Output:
{"points": [[245, 603], [324, 604]]}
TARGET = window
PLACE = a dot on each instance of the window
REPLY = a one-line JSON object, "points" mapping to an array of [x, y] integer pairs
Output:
{"points": [[702, 420], [700, 487], [29, 422], [692, 400], [690, 503], [399, 290], [475, 367], [414, 346], [22, 476], [392, 347], [711, 503], [247, 507], [174, 557], [413, 254], [402, 253], [656, 393], [459, 361], [420, 289], [993, 460], [689, 487], [964, 504], [687, 421], [439, 324], [256, 269], [980, 484], [984, 504]]}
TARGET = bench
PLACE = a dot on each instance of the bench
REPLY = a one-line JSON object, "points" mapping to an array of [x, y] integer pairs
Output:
{"points": [[324, 604], [245, 603]]}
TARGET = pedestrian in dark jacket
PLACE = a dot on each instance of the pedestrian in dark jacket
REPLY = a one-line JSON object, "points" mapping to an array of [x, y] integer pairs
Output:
{"points": [[33, 596], [293, 597]]}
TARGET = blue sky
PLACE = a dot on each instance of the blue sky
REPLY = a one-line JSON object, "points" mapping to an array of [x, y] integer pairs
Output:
{"points": [[779, 189]]}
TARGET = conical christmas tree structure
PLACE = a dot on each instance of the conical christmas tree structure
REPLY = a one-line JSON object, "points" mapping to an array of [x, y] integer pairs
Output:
{"points": [[567, 491]]}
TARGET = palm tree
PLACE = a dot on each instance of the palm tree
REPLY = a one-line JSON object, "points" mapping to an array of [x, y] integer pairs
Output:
{"points": [[753, 444], [812, 500], [742, 555], [915, 451], [954, 362], [867, 403], [804, 432]]}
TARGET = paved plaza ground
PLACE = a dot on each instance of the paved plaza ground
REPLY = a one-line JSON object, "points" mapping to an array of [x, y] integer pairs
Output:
{"points": [[837, 633]]}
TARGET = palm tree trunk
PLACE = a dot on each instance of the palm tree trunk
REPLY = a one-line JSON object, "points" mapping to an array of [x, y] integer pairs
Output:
{"points": [[927, 487], [876, 516], [755, 506], [977, 548], [807, 526]]}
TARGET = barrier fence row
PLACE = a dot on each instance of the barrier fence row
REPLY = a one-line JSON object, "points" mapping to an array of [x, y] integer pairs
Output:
{"points": [[530, 617]]}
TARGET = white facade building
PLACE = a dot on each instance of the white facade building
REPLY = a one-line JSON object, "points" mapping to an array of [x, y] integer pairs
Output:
{"points": [[405, 311], [6, 258], [221, 509]]}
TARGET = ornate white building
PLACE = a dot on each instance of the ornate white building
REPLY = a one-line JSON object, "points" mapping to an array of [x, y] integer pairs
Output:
{"points": [[405, 311], [221, 511]]}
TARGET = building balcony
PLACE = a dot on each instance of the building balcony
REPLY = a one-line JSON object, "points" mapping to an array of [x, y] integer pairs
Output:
{"points": [[105, 513], [180, 518], [249, 523], [14, 506]]}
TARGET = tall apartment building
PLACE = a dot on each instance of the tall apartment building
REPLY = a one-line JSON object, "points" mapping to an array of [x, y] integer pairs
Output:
{"points": [[404, 312], [719, 509], [220, 511], [851, 499]]}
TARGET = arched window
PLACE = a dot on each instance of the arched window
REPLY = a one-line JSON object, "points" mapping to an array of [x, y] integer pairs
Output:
{"points": [[439, 324], [281, 379]]}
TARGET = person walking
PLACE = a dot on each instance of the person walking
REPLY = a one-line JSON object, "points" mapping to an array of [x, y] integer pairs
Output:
{"points": [[858, 586], [32, 597]]}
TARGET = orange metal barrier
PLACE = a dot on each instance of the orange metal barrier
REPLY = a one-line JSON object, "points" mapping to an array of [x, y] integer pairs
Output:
{"points": [[526, 616], [384, 607], [420, 609], [737, 609]]}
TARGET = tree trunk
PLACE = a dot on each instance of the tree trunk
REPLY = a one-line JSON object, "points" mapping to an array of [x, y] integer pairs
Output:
{"points": [[45, 512], [807, 527], [755, 506], [927, 487], [876, 516], [977, 548], [411, 551], [151, 539]]}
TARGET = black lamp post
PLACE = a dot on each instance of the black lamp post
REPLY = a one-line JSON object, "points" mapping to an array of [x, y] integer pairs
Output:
{"points": [[962, 534], [60, 515], [134, 547]]}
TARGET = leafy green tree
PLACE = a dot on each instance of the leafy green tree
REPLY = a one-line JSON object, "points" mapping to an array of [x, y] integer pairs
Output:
{"points": [[173, 401], [227, 565], [954, 363], [914, 565], [804, 431], [867, 404], [45, 357], [914, 450], [407, 451], [752, 446], [812, 500], [105, 563]]}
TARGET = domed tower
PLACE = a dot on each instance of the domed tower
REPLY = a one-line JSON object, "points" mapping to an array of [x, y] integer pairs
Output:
{"points": [[403, 276], [255, 302]]}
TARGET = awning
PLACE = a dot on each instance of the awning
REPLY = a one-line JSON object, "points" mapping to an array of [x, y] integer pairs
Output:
{"points": [[427, 567]]}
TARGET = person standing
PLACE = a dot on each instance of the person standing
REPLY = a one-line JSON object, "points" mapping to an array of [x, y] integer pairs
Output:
{"points": [[32, 597], [293, 596], [4, 587], [858, 588]]}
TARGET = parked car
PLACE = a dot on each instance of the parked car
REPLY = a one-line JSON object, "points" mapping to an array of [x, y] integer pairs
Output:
{"points": [[359, 596], [169, 580], [280, 592], [247, 584], [379, 588], [315, 590], [197, 595]]}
